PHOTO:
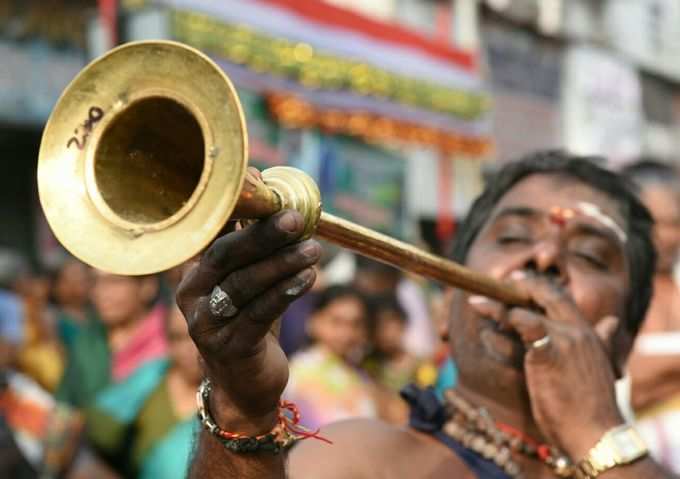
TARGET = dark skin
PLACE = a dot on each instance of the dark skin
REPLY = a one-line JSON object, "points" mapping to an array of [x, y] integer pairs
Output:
{"points": [[576, 275]]}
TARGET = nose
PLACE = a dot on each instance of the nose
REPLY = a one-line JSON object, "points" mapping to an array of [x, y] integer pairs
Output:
{"points": [[547, 259]]}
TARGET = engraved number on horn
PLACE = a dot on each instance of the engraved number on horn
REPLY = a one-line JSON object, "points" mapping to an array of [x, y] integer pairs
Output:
{"points": [[94, 115]]}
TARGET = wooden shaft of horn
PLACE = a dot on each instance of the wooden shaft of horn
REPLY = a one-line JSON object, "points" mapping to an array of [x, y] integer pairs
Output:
{"points": [[285, 187], [407, 257]]}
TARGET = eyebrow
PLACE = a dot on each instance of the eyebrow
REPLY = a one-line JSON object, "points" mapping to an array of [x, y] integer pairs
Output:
{"points": [[522, 211], [594, 212], [582, 228], [604, 233]]}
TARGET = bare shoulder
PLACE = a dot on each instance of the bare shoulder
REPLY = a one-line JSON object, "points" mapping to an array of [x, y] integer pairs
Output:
{"points": [[364, 448], [662, 314]]}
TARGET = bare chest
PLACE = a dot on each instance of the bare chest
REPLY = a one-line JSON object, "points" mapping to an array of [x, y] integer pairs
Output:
{"points": [[426, 458]]}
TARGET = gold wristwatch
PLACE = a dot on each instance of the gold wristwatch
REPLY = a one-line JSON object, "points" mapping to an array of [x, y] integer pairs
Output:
{"points": [[619, 446]]}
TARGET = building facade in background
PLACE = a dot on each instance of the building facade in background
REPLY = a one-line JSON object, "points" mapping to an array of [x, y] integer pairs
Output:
{"points": [[395, 107]]}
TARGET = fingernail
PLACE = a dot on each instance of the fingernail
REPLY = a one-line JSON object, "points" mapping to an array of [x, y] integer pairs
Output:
{"points": [[295, 290], [518, 275], [303, 281], [310, 249], [288, 222], [477, 299]]}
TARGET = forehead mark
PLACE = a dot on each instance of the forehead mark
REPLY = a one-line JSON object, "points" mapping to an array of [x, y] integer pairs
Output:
{"points": [[594, 212], [560, 216]]}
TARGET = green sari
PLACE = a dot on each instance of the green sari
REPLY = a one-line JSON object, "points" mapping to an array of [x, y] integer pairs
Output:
{"points": [[134, 426], [88, 366], [69, 328]]}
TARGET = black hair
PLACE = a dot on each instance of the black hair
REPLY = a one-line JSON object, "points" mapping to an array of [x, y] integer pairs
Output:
{"points": [[639, 248], [380, 303], [366, 264], [648, 171], [335, 292], [386, 302]]}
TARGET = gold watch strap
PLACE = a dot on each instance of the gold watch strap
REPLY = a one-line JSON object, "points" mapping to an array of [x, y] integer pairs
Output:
{"points": [[619, 446], [599, 460]]}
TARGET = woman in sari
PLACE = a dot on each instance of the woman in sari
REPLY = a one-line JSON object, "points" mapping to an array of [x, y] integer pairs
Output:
{"points": [[144, 425], [325, 381]]}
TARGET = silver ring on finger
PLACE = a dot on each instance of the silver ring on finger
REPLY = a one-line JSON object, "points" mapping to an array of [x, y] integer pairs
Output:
{"points": [[541, 343], [220, 304]]}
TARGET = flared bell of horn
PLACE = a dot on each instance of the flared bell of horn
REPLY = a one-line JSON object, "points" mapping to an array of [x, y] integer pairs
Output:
{"points": [[143, 158]]}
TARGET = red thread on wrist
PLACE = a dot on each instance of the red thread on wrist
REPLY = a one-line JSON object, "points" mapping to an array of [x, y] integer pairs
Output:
{"points": [[293, 425], [288, 422]]}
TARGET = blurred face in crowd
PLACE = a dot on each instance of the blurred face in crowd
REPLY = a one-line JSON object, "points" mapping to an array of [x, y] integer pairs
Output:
{"points": [[39, 289], [663, 201], [582, 256], [181, 348], [389, 331], [119, 299], [340, 326], [376, 281], [72, 284], [23, 285]]}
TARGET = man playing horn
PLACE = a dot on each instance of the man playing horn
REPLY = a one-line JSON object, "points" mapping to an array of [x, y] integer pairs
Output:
{"points": [[535, 397]]}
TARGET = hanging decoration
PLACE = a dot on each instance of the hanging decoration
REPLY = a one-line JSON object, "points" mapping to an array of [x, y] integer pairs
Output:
{"points": [[293, 112], [307, 66], [328, 67], [61, 24]]}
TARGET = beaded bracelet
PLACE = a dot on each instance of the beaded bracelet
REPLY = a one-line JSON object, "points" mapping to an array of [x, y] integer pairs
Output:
{"points": [[286, 432]]}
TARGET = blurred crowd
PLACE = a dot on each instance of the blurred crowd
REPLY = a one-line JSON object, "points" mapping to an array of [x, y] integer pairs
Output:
{"points": [[98, 373]]}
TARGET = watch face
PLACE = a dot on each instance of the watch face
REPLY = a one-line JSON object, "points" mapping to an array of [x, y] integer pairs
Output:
{"points": [[628, 444]]}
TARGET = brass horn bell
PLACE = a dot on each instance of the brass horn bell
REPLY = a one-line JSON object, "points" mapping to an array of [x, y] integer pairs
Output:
{"points": [[144, 160]]}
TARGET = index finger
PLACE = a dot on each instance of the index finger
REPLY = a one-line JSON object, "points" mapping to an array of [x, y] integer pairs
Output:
{"points": [[551, 298], [239, 248]]}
